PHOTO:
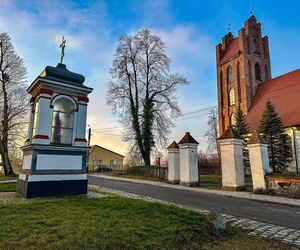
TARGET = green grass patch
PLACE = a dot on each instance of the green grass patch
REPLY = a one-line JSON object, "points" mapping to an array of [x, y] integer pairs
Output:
{"points": [[112, 223], [217, 178], [8, 187], [212, 178], [240, 240], [7, 178]]}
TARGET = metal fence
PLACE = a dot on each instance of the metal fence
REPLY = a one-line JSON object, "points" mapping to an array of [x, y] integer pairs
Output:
{"points": [[107, 168], [155, 172]]}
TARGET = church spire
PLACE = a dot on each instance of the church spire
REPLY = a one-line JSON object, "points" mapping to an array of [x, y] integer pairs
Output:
{"points": [[251, 9], [229, 27]]}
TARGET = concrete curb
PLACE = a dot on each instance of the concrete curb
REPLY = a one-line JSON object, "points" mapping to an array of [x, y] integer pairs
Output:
{"points": [[8, 181], [235, 194]]}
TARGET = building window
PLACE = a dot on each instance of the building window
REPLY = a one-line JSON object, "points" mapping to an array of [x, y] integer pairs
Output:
{"points": [[221, 88], [257, 72], [255, 46], [248, 46], [238, 81], [62, 122], [231, 97], [35, 115], [229, 74], [265, 50], [232, 119], [113, 162], [266, 73], [250, 78]]}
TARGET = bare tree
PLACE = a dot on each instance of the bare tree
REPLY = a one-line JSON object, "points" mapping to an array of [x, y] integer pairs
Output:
{"points": [[143, 91], [212, 133], [13, 100]]}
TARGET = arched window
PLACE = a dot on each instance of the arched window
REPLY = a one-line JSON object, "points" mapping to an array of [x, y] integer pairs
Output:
{"points": [[62, 121], [248, 46], [35, 115], [238, 79], [257, 72], [250, 78], [266, 73], [221, 88], [255, 46], [229, 74], [265, 50], [232, 119], [231, 97]]}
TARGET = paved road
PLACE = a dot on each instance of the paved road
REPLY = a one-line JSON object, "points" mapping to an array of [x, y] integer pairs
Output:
{"points": [[276, 214]]}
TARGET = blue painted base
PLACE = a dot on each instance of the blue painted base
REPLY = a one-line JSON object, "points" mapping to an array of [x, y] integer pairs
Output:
{"points": [[51, 188]]}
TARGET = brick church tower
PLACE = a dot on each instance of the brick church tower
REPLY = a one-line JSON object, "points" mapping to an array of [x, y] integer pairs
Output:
{"points": [[243, 62]]}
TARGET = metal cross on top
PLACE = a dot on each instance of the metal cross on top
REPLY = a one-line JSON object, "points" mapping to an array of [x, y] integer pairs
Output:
{"points": [[62, 46]]}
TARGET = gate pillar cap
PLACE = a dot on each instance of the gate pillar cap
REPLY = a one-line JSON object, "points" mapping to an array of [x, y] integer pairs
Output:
{"points": [[230, 134], [173, 145], [187, 138], [256, 138]]}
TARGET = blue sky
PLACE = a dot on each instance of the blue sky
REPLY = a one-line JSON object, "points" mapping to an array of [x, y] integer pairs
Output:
{"points": [[191, 29]]}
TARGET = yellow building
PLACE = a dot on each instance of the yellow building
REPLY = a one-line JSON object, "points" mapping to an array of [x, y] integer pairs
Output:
{"points": [[100, 156]]}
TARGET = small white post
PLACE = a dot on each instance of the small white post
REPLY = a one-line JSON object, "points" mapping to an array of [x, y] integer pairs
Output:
{"points": [[259, 161], [173, 163], [231, 146], [188, 151]]}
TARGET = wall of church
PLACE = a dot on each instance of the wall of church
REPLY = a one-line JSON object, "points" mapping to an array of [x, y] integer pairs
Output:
{"points": [[295, 143]]}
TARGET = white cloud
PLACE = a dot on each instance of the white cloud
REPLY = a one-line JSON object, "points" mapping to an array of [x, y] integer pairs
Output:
{"points": [[185, 40]]}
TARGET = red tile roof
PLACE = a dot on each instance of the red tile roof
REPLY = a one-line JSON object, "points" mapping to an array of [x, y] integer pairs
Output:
{"points": [[231, 51], [284, 93], [173, 145], [187, 138]]}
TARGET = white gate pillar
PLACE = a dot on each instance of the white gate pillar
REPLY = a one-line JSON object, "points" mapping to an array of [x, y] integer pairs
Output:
{"points": [[259, 161], [231, 146], [188, 153]]}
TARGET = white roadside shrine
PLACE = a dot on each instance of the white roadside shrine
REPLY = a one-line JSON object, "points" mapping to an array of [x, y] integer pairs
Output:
{"points": [[54, 154]]}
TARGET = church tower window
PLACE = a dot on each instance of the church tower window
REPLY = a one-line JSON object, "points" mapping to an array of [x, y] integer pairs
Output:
{"points": [[265, 50], [232, 119], [266, 73], [229, 74], [231, 97], [255, 46], [221, 88], [248, 46], [257, 72]]}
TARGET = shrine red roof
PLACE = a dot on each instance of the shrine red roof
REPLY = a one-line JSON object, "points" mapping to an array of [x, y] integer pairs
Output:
{"points": [[284, 93], [232, 50]]}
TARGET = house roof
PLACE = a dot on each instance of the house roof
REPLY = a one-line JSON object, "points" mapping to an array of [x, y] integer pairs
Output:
{"points": [[232, 50], [94, 146], [284, 93], [187, 138]]}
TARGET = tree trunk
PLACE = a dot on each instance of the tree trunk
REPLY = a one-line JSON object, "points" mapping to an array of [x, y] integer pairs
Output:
{"points": [[4, 136], [5, 159], [146, 158]]}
